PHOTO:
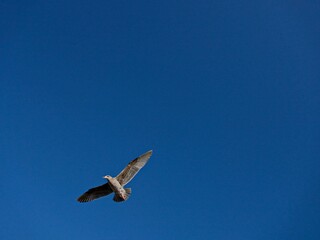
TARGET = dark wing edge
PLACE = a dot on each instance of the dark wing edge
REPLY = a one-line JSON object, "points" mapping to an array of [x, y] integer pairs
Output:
{"points": [[95, 193], [127, 174]]}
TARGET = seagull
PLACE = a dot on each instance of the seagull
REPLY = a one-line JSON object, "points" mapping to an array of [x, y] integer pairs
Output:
{"points": [[117, 183]]}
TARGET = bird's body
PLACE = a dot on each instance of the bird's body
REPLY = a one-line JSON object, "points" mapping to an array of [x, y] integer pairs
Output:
{"points": [[117, 183], [120, 193]]}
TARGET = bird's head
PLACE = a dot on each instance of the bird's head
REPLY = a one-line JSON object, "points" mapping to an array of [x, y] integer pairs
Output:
{"points": [[107, 177]]}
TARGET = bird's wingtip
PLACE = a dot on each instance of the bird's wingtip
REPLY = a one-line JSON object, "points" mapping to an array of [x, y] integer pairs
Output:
{"points": [[149, 153]]}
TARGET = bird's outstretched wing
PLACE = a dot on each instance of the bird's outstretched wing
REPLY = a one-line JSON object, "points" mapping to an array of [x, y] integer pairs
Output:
{"points": [[95, 193], [133, 168]]}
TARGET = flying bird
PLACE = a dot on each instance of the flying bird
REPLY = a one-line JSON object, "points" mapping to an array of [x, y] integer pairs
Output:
{"points": [[117, 183]]}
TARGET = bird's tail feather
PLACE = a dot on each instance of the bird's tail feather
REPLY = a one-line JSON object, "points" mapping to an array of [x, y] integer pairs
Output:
{"points": [[128, 191], [124, 197]]}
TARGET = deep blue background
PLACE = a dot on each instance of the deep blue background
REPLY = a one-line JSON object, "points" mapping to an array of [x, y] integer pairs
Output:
{"points": [[226, 93]]}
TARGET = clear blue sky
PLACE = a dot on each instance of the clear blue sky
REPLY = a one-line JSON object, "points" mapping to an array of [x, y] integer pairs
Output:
{"points": [[226, 93]]}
